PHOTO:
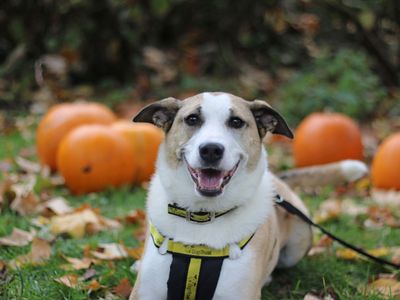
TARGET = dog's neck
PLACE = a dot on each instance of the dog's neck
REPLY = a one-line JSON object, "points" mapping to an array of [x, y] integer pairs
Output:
{"points": [[253, 202]]}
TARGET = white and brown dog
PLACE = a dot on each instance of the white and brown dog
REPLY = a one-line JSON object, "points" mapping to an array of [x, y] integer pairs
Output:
{"points": [[213, 162]]}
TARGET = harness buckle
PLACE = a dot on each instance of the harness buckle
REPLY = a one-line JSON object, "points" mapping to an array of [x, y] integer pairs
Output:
{"points": [[189, 217]]}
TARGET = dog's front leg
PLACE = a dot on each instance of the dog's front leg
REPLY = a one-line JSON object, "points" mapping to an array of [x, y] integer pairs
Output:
{"points": [[153, 275]]}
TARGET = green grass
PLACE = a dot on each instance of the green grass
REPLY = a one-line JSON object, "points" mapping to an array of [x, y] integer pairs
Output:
{"points": [[312, 274]]}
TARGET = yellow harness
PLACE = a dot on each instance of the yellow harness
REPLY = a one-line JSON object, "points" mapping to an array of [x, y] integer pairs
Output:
{"points": [[195, 269]]}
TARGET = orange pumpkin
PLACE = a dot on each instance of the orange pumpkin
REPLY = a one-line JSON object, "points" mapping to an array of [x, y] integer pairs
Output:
{"points": [[145, 139], [385, 169], [326, 137], [93, 157], [60, 120]]}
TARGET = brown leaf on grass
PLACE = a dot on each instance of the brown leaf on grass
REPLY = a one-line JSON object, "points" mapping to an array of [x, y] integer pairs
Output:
{"points": [[79, 263], [386, 197], [75, 282], [18, 238], [135, 253], [312, 296], [136, 216], [123, 289], [333, 208], [6, 193], [5, 276], [25, 205], [141, 232], [110, 251], [94, 285], [396, 255], [89, 274], [387, 286], [348, 254], [5, 165], [327, 294], [74, 224], [321, 246], [27, 166], [69, 280], [57, 206], [381, 216], [110, 296], [328, 210], [80, 222], [40, 252], [25, 201]]}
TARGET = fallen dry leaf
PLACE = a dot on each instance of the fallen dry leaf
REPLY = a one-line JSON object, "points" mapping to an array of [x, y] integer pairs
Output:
{"points": [[5, 276], [79, 263], [348, 254], [110, 251], [136, 216], [76, 282], [381, 216], [388, 287], [321, 246], [386, 197], [27, 204], [27, 166], [40, 252], [94, 285], [89, 274], [80, 222], [57, 206], [6, 193], [135, 253], [123, 289], [18, 238], [5, 165], [311, 296], [69, 280], [328, 294], [74, 224], [140, 233], [328, 210]]}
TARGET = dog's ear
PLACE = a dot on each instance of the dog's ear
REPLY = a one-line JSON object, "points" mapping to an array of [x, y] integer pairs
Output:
{"points": [[161, 113], [268, 119]]}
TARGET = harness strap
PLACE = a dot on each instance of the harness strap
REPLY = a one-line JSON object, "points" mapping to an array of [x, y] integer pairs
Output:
{"points": [[195, 269], [201, 251], [295, 211], [196, 216]]}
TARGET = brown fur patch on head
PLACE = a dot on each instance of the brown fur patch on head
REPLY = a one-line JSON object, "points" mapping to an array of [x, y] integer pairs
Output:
{"points": [[179, 134], [249, 137]]}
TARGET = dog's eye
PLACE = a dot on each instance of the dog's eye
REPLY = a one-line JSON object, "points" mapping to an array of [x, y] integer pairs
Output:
{"points": [[235, 122], [192, 120]]}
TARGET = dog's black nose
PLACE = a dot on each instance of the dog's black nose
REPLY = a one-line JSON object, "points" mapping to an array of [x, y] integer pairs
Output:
{"points": [[211, 152]]}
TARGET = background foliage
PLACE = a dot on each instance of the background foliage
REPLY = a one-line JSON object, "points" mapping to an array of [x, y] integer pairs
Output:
{"points": [[164, 47]]}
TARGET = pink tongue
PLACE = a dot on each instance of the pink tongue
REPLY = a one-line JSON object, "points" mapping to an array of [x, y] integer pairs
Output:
{"points": [[210, 180]]}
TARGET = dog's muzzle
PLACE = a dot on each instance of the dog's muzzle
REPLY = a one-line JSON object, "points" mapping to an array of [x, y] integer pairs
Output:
{"points": [[210, 182]]}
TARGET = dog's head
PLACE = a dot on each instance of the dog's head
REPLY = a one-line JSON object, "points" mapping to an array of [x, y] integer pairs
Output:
{"points": [[211, 140]]}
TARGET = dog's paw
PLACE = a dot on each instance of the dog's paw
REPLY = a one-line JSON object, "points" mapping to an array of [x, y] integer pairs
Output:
{"points": [[234, 251], [135, 266]]}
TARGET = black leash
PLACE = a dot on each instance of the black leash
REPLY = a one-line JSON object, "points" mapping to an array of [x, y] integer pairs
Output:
{"points": [[295, 211]]}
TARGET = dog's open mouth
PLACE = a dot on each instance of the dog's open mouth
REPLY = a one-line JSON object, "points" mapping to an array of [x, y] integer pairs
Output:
{"points": [[211, 182]]}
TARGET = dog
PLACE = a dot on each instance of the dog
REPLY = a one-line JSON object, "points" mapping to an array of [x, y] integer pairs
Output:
{"points": [[214, 231]]}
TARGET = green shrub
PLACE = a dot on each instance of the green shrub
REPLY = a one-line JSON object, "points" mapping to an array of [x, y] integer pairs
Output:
{"points": [[342, 82]]}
